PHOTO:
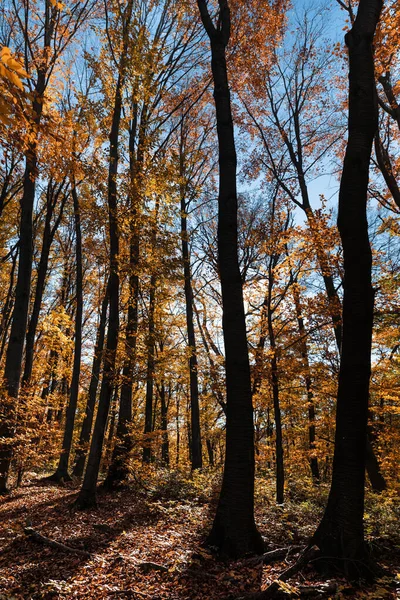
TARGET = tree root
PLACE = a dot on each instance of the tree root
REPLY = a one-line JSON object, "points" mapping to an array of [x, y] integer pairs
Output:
{"points": [[41, 539], [274, 590]]}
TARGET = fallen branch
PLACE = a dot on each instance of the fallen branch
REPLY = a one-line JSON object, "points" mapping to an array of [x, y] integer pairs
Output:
{"points": [[310, 553], [271, 556], [41, 539], [274, 590]]}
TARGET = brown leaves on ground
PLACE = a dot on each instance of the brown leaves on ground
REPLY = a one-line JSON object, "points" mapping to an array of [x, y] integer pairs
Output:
{"points": [[142, 547]]}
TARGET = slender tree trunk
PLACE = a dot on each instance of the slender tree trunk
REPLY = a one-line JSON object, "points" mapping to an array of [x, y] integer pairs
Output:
{"points": [[92, 393], [280, 472], [14, 354], [8, 305], [147, 449], [210, 451], [234, 530], [164, 426], [87, 495], [61, 473], [119, 467], [215, 383], [48, 236], [340, 534], [196, 453], [308, 381], [178, 433], [383, 160]]}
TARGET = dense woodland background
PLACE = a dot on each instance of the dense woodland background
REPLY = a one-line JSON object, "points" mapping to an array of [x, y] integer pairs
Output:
{"points": [[122, 359]]}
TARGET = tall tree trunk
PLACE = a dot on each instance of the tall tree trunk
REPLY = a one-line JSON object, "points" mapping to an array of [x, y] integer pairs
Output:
{"points": [[8, 305], [234, 530], [61, 473], [94, 383], [14, 354], [119, 467], [308, 381], [384, 163], [164, 426], [148, 417], [178, 432], [340, 534], [196, 453], [87, 494], [280, 472], [48, 236]]}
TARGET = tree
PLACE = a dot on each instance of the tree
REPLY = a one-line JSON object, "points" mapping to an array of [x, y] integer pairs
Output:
{"points": [[87, 494], [340, 534], [55, 33], [234, 531]]}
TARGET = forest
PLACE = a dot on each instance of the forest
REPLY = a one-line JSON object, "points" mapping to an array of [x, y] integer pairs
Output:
{"points": [[199, 309]]}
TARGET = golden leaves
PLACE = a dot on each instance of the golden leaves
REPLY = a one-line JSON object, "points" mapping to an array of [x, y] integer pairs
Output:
{"points": [[11, 73]]}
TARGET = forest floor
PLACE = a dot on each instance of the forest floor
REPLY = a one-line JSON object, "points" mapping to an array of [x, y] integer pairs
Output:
{"points": [[145, 542]]}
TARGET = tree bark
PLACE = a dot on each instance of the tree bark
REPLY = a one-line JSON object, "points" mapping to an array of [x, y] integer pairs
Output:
{"points": [[280, 472], [234, 531], [94, 383], [340, 534], [8, 305], [308, 381], [148, 424], [61, 473], [87, 494], [164, 426], [196, 452], [119, 468], [14, 353], [48, 236]]}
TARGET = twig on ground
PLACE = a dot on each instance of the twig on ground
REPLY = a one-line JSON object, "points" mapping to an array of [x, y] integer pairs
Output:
{"points": [[41, 539]]}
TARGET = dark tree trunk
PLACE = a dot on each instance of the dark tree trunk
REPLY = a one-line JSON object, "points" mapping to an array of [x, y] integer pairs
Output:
{"points": [[197, 461], [214, 376], [48, 236], [308, 381], [210, 452], [61, 473], [92, 393], [87, 495], [234, 531], [164, 426], [178, 433], [280, 472], [119, 467], [14, 354], [340, 535], [383, 160], [148, 417], [334, 305], [8, 305]]}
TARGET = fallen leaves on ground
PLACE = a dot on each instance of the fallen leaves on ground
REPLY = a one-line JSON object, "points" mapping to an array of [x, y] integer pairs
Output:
{"points": [[144, 547]]}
